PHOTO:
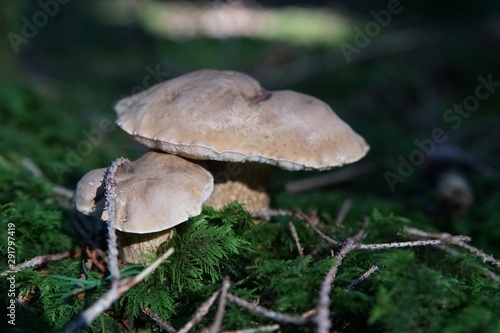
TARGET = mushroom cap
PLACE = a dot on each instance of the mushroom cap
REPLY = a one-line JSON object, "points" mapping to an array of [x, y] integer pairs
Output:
{"points": [[154, 193], [228, 116]]}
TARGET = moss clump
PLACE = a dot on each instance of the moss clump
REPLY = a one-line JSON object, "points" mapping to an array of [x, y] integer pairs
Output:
{"points": [[28, 208], [414, 290]]}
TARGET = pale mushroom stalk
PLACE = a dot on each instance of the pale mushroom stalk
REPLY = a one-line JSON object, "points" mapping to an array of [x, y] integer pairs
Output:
{"points": [[247, 183], [131, 247]]}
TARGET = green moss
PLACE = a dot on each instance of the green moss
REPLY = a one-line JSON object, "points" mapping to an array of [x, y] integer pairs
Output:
{"points": [[28, 210], [414, 296]]}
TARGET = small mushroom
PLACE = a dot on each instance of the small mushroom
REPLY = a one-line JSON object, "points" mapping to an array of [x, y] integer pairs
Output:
{"points": [[454, 194], [153, 194], [227, 116]]}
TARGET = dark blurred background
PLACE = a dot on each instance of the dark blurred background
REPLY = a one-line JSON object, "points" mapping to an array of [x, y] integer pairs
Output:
{"points": [[393, 70]]}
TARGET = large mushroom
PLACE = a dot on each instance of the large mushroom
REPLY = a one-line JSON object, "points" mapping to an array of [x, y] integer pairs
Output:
{"points": [[153, 194], [229, 120]]}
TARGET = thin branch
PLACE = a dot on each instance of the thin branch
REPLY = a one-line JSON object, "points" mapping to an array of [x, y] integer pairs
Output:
{"points": [[200, 313], [280, 317], [458, 240], [267, 213], [308, 313], [448, 238], [312, 221], [93, 257], [63, 192], [110, 187], [383, 246], [270, 328], [365, 275], [38, 261], [63, 195], [221, 308], [160, 322], [492, 276], [145, 272], [105, 301], [344, 209], [322, 317], [32, 167], [330, 178], [448, 250], [296, 239], [485, 257]]}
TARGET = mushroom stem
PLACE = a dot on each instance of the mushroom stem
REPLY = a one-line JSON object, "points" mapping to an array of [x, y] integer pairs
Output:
{"points": [[132, 246], [246, 183]]}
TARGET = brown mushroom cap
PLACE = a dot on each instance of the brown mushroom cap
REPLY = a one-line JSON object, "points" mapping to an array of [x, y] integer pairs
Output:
{"points": [[154, 193], [228, 116]]}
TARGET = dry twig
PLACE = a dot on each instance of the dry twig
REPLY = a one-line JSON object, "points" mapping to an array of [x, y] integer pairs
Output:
{"points": [[38, 261], [280, 317], [458, 240], [330, 178], [344, 208], [267, 213], [492, 276], [312, 221], [322, 317], [200, 313], [270, 328], [93, 256], [63, 195], [110, 187], [160, 322], [384, 246], [365, 275], [296, 239], [221, 308]]}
